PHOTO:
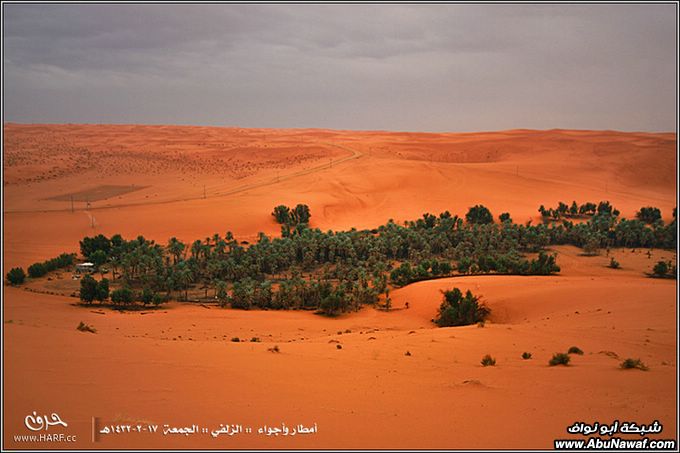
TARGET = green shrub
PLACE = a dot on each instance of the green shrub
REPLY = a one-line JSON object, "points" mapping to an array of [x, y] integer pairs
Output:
{"points": [[487, 360], [663, 269], [459, 310], [36, 270], [614, 264], [147, 296], [591, 246], [122, 296], [88, 289], [332, 305], [157, 299], [660, 268], [16, 276], [526, 355], [633, 363], [559, 358], [102, 292]]}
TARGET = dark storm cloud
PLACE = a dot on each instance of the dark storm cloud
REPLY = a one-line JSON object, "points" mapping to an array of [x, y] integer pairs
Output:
{"points": [[406, 67]]}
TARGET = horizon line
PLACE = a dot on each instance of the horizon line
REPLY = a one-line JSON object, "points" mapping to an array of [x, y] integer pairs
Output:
{"points": [[488, 131]]}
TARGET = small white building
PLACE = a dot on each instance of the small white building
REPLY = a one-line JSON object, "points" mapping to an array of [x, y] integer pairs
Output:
{"points": [[85, 267]]}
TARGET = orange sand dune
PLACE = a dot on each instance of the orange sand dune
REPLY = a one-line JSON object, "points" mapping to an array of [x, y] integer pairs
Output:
{"points": [[177, 365], [377, 178]]}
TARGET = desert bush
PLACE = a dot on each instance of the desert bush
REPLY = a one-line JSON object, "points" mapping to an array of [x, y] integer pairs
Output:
{"points": [[16, 276], [543, 265], [85, 328], [663, 269], [459, 310], [333, 304], [88, 289], [236, 339], [487, 360], [146, 297], [526, 355], [591, 246], [122, 296], [660, 268], [633, 363], [157, 299], [275, 349], [559, 358], [614, 264], [36, 270], [102, 291], [575, 350]]}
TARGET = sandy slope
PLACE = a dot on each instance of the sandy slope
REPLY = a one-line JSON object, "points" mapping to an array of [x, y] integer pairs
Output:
{"points": [[178, 365]]}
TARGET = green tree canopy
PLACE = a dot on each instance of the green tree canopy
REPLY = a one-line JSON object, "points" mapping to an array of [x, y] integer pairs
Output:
{"points": [[88, 289], [479, 214], [16, 276]]}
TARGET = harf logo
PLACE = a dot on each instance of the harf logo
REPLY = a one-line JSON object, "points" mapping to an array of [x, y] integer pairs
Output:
{"points": [[36, 422], [42, 423]]}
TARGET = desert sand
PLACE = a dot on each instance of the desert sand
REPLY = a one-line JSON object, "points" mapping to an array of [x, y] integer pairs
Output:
{"points": [[177, 365]]}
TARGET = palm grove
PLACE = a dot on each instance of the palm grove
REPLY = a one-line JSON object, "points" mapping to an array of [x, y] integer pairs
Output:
{"points": [[335, 272]]}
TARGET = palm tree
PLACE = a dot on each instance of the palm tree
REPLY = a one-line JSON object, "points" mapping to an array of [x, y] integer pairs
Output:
{"points": [[176, 248], [221, 292], [184, 278], [196, 249]]}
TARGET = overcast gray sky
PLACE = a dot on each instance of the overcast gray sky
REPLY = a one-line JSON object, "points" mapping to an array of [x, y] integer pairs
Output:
{"points": [[396, 67]]}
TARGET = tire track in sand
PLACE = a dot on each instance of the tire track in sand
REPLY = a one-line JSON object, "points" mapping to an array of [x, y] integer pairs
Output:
{"points": [[239, 189]]}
